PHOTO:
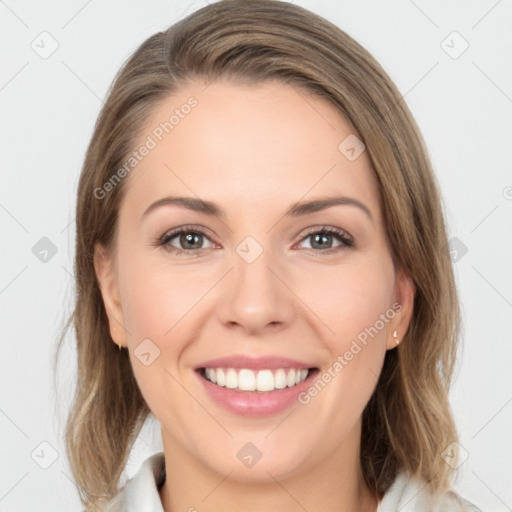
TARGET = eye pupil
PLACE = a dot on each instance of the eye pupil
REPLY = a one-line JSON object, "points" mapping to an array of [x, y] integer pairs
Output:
{"points": [[322, 238], [189, 238]]}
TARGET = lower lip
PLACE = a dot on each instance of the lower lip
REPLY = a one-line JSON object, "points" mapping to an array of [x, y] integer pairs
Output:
{"points": [[254, 403]]}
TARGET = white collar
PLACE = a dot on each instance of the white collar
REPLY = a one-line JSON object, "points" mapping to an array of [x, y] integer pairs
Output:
{"points": [[141, 492], [407, 494]]}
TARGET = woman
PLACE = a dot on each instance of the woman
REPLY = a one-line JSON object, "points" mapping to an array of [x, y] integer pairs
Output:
{"points": [[260, 232]]}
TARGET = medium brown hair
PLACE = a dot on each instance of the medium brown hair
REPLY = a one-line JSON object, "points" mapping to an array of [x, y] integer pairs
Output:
{"points": [[407, 423]]}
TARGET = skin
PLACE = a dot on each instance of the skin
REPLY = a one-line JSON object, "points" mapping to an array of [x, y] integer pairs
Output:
{"points": [[254, 150]]}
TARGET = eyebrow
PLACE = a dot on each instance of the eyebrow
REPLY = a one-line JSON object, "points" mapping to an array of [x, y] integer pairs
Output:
{"points": [[296, 210]]}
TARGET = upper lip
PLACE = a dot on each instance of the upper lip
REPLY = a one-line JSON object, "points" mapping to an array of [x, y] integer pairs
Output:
{"points": [[255, 363]]}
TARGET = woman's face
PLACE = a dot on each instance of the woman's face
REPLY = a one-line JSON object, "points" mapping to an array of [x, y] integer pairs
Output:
{"points": [[262, 291]]}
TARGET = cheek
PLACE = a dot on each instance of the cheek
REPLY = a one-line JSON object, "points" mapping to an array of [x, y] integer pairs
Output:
{"points": [[160, 305], [157, 303], [156, 298], [349, 300], [356, 306]]}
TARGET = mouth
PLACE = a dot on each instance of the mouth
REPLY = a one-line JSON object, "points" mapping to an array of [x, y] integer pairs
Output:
{"points": [[251, 387], [255, 386], [264, 380]]}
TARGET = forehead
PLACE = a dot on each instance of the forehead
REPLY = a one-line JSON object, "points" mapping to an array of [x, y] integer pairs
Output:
{"points": [[264, 144]]}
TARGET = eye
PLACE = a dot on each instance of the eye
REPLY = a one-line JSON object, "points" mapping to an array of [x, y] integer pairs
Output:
{"points": [[322, 240], [189, 239]]}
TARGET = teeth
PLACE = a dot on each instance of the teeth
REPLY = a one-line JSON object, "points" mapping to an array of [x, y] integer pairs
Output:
{"points": [[265, 381], [231, 379], [246, 380], [280, 379], [211, 375], [220, 376], [259, 380]]}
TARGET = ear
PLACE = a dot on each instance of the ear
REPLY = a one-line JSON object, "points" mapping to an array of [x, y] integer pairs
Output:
{"points": [[107, 279], [403, 306]]}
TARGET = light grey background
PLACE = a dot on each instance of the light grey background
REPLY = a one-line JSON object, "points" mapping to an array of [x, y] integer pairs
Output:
{"points": [[463, 104]]}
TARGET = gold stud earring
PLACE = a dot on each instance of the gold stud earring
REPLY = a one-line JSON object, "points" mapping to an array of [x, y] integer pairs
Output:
{"points": [[395, 335]]}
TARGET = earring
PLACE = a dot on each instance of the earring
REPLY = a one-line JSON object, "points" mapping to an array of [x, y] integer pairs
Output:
{"points": [[395, 335]]}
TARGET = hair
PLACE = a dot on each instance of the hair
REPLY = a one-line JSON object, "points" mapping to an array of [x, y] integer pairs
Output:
{"points": [[407, 422]]}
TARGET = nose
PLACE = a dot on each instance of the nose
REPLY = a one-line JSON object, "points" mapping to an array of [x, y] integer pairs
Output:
{"points": [[256, 297]]}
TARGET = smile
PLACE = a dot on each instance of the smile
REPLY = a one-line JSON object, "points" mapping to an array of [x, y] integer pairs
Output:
{"points": [[244, 379], [255, 386]]}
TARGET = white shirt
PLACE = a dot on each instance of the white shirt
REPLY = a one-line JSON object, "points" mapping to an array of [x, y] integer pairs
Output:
{"points": [[141, 494]]}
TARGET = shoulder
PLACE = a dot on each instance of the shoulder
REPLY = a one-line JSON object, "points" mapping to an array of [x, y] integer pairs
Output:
{"points": [[141, 492], [411, 495]]}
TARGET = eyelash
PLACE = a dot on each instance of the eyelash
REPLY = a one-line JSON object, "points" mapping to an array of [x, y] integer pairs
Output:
{"points": [[341, 236]]}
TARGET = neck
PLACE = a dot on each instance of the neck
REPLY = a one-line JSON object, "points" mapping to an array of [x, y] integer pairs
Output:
{"points": [[335, 484]]}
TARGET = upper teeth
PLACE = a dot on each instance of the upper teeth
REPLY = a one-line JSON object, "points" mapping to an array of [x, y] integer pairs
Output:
{"points": [[261, 380]]}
